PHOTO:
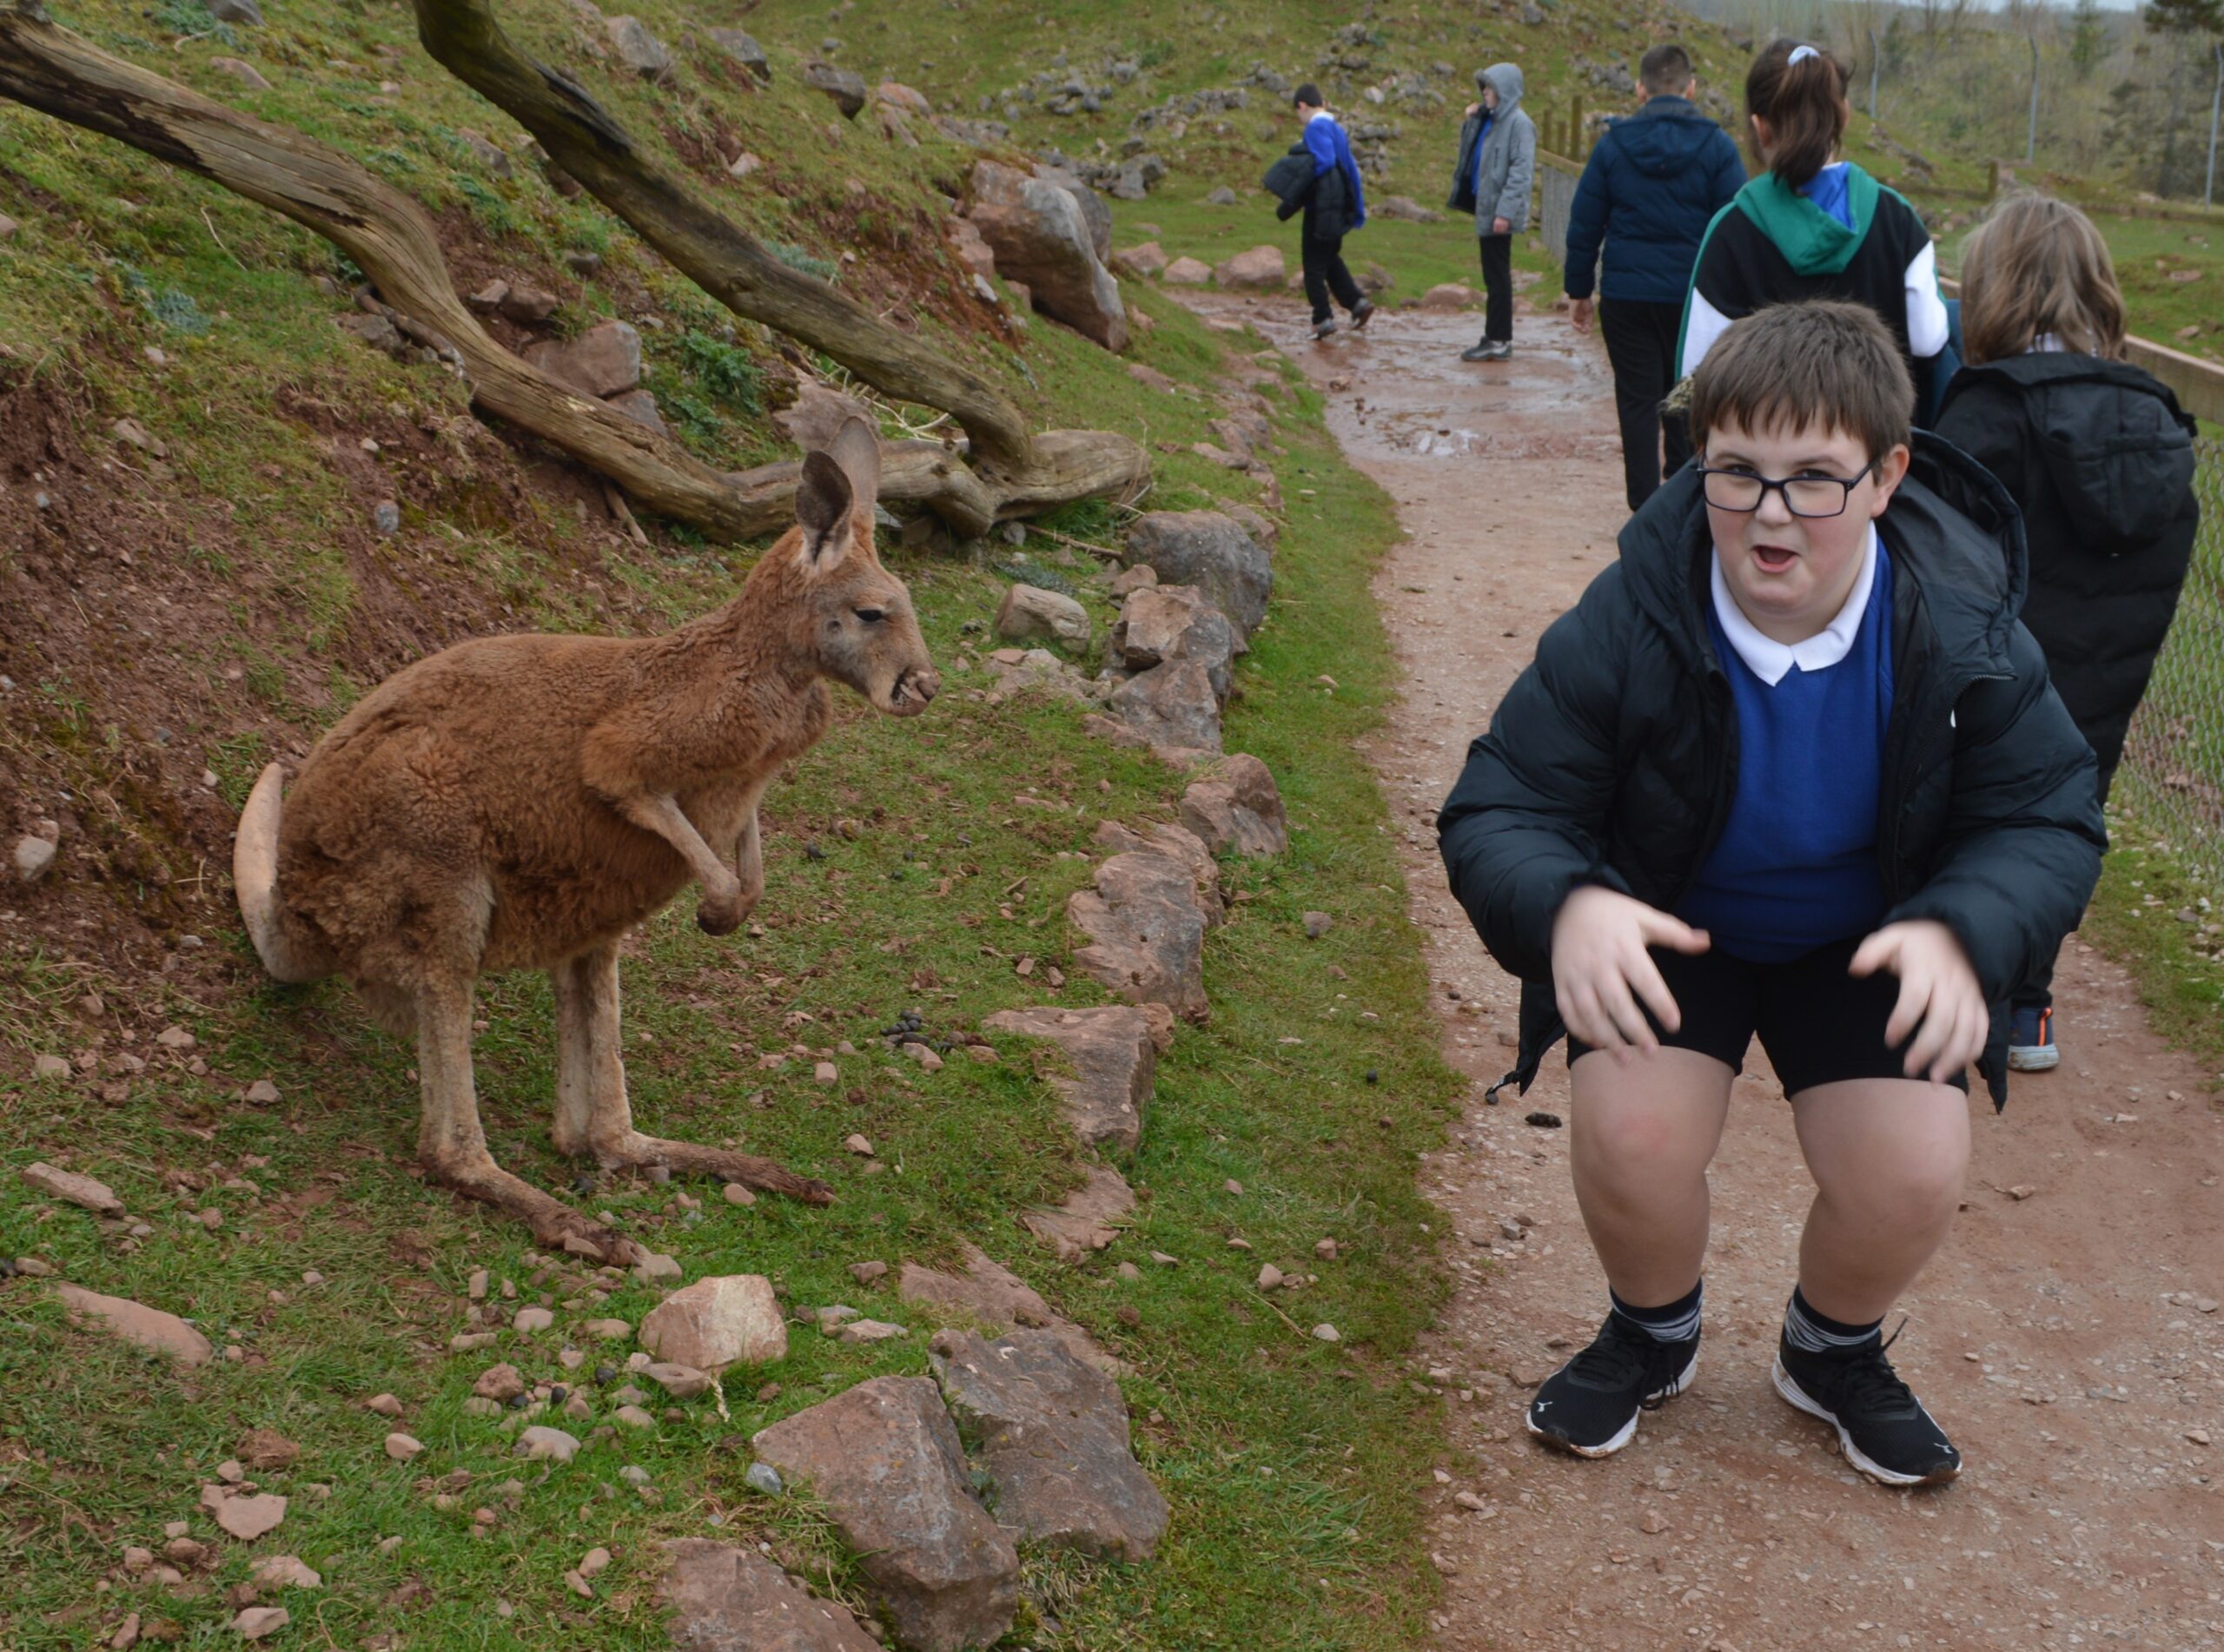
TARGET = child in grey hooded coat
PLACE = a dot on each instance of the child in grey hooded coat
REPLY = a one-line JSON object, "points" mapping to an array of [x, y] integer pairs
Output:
{"points": [[1496, 165]]}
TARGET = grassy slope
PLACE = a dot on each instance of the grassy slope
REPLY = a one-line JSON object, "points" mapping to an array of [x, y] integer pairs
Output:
{"points": [[1287, 1460]]}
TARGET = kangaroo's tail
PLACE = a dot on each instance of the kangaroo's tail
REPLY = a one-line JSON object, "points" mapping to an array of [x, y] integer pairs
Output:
{"points": [[254, 876]]}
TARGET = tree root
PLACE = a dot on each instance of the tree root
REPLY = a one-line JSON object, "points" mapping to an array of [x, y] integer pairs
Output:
{"points": [[393, 240]]}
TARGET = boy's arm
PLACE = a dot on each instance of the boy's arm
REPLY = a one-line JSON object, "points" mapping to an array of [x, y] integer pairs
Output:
{"points": [[1729, 173], [1520, 170], [1522, 827], [1586, 226], [2024, 836]]}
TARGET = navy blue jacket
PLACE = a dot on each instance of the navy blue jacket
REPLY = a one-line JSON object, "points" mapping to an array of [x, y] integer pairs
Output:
{"points": [[1650, 187]]}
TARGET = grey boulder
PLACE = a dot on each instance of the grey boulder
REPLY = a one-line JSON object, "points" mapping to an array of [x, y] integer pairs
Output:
{"points": [[1211, 551]]}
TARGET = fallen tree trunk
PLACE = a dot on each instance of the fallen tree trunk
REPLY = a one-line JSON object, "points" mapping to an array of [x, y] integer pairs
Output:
{"points": [[391, 240], [714, 253]]}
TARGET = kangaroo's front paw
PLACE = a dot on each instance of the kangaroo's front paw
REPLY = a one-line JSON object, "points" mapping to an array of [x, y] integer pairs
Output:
{"points": [[714, 915]]}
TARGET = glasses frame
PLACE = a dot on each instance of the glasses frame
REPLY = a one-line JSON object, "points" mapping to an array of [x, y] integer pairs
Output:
{"points": [[1783, 485]]}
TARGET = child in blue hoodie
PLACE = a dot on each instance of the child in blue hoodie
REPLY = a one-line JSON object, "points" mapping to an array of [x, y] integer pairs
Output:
{"points": [[1334, 204]]}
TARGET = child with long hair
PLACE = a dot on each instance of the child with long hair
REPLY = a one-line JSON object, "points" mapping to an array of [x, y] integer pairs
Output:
{"points": [[2099, 455], [1812, 226]]}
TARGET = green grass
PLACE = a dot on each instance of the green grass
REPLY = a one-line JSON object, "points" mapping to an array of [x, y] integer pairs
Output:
{"points": [[1292, 1465]]}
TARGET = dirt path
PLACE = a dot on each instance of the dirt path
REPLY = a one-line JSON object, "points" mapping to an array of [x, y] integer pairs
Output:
{"points": [[2067, 1335]]}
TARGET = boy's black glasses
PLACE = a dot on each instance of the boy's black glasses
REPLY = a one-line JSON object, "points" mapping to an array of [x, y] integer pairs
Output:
{"points": [[1803, 495]]}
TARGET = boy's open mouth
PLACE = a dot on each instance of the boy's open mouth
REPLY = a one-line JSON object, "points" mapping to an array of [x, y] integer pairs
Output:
{"points": [[1774, 558]]}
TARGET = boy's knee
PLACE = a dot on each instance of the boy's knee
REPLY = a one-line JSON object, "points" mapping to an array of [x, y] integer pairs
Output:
{"points": [[1630, 1148]]}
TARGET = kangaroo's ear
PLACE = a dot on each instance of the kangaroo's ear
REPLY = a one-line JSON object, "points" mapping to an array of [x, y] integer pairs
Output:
{"points": [[824, 502], [856, 450]]}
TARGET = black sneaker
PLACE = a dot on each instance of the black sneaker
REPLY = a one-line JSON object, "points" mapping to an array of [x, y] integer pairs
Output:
{"points": [[1488, 350], [1589, 1406], [1883, 1429], [1323, 329], [1363, 313]]}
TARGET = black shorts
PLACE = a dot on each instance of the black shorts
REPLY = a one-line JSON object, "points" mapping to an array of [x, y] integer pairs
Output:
{"points": [[1818, 1024]]}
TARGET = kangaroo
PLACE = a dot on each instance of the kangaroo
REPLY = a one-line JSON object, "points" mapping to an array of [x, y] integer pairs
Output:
{"points": [[521, 803]]}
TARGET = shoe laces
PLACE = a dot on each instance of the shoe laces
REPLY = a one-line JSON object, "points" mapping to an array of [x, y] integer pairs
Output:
{"points": [[1870, 1384], [1618, 1358]]}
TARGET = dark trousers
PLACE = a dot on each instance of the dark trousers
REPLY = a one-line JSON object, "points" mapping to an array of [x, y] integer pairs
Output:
{"points": [[1641, 341], [1325, 273], [1498, 288]]}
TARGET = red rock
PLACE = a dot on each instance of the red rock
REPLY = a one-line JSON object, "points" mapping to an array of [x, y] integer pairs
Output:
{"points": [[724, 1598], [151, 1328], [717, 1322]]}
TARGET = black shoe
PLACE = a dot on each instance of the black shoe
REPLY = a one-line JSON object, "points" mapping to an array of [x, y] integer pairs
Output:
{"points": [[1323, 329], [1883, 1429], [1363, 314], [1488, 350], [1589, 1406]]}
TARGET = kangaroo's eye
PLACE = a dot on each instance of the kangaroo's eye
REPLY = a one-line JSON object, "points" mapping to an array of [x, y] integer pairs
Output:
{"points": [[871, 616]]}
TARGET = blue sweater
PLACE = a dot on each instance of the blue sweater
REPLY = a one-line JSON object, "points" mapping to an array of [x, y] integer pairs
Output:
{"points": [[1329, 146], [1650, 190], [1795, 867]]}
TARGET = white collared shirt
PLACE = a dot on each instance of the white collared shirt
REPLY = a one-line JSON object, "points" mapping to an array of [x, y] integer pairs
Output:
{"points": [[1769, 659]]}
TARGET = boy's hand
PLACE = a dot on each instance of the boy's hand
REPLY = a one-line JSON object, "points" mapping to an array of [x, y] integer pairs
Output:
{"points": [[1579, 314], [1600, 969], [1472, 108], [1939, 995], [1499, 227]]}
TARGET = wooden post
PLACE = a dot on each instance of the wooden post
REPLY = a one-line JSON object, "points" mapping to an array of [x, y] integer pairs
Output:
{"points": [[1575, 127]]}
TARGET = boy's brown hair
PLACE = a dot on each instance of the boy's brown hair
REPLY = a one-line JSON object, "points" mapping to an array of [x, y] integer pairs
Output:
{"points": [[2036, 267], [1821, 364]]}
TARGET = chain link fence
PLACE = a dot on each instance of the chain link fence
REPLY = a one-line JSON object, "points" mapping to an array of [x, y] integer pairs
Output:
{"points": [[2169, 791]]}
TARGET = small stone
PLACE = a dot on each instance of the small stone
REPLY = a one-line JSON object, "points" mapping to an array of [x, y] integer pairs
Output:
{"points": [[681, 1382], [2198, 1436], [594, 1563], [924, 1056], [1317, 924], [262, 1092], [2021, 1192], [402, 1447], [174, 1038], [532, 1319], [386, 517], [244, 1515], [479, 1405], [52, 1066], [256, 1622], [1326, 1334], [607, 1329], [1231, 1185], [2205, 1305], [1652, 1523], [1511, 1230], [500, 1383], [285, 1571], [870, 1330], [1164, 1260], [861, 1146], [826, 1073], [1270, 1278], [735, 1193], [72, 1188], [868, 1272], [543, 1442], [383, 1405], [634, 1417], [475, 1287], [1326, 1250], [763, 1477], [654, 1268]]}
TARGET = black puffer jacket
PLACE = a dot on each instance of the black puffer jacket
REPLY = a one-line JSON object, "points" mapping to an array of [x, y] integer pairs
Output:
{"points": [[1614, 758], [2101, 459], [1325, 198]]}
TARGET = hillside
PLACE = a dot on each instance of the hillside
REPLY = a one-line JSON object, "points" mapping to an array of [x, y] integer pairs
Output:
{"points": [[223, 517]]}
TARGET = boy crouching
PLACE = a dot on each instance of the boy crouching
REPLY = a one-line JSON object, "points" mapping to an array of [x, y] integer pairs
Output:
{"points": [[1792, 768]]}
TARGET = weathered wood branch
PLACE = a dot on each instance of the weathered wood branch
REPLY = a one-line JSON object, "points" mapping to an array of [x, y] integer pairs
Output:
{"points": [[716, 254], [393, 240]]}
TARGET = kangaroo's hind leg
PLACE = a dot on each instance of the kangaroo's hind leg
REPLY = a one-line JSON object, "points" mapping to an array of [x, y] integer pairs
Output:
{"points": [[452, 1144], [593, 1113]]}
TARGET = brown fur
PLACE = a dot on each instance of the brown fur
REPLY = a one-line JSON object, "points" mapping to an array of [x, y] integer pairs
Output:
{"points": [[522, 802]]}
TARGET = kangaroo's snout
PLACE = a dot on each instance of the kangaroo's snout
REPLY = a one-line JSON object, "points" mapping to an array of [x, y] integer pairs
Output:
{"points": [[913, 691]]}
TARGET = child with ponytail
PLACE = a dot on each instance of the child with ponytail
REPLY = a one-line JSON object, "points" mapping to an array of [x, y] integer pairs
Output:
{"points": [[1812, 226]]}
